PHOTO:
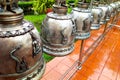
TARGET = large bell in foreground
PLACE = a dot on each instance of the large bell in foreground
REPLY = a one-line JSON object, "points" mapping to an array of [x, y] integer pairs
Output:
{"points": [[20, 45], [83, 18], [58, 30]]}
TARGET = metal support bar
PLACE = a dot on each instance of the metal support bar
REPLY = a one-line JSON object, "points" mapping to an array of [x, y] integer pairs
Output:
{"points": [[81, 54], [105, 27]]}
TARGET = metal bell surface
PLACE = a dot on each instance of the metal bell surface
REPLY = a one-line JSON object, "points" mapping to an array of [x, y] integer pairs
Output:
{"points": [[104, 13], [114, 9], [57, 31], [82, 19], [97, 14], [20, 46], [118, 2], [110, 12], [117, 7]]}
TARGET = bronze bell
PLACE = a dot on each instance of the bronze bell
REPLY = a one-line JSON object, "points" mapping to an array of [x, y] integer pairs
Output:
{"points": [[20, 45], [114, 9], [58, 31], [118, 2], [110, 12], [83, 19], [104, 13], [97, 14], [117, 6]]}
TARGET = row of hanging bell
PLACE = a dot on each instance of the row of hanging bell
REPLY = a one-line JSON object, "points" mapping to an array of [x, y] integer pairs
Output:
{"points": [[59, 29], [20, 45]]}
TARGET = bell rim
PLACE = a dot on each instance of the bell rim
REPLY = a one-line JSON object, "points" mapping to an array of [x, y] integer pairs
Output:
{"points": [[61, 52]]}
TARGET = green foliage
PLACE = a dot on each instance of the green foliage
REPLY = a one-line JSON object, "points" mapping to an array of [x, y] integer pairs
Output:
{"points": [[69, 10], [48, 57], [26, 6], [88, 1], [40, 6], [70, 1], [74, 3]]}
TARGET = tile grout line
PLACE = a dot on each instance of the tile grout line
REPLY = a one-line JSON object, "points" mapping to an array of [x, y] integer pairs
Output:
{"points": [[52, 68]]}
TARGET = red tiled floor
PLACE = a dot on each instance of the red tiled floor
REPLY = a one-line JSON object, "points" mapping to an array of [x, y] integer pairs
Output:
{"points": [[47, 70], [94, 76], [60, 69], [68, 62], [43, 79], [53, 75], [118, 76], [78, 77], [104, 78], [102, 64]]}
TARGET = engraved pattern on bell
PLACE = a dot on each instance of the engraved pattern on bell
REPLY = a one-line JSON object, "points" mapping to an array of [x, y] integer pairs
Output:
{"points": [[20, 45], [104, 13], [57, 33], [83, 20], [97, 14], [17, 49]]}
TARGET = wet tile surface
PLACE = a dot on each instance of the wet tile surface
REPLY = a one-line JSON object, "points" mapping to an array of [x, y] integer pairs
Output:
{"points": [[102, 64]]}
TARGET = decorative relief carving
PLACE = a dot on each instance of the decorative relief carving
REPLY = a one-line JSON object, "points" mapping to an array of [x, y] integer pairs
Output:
{"points": [[21, 65], [36, 44], [57, 49], [14, 33]]}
